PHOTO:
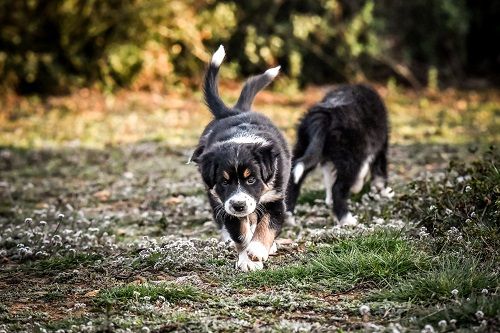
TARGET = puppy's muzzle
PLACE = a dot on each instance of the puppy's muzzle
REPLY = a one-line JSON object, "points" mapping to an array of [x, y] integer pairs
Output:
{"points": [[240, 204]]}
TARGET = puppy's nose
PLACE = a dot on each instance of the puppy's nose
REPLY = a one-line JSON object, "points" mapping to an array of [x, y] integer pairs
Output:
{"points": [[238, 206]]}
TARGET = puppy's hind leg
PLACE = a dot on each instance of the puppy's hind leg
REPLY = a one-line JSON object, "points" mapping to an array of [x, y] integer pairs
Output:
{"points": [[361, 176], [379, 174], [340, 192], [292, 194], [329, 178]]}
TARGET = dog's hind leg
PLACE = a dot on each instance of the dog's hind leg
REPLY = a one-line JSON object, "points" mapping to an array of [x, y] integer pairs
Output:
{"points": [[292, 195], [379, 173], [362, 175], [329, 178], [346, 177]]}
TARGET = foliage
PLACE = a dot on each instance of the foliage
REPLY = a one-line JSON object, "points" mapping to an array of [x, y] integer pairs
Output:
{"points": [[50, 46], [46, 46], [466, 197]]}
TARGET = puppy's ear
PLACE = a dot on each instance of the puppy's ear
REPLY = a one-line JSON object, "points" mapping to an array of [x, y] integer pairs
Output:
{"points": [[266, 156], [208, 168], [195, 156]]}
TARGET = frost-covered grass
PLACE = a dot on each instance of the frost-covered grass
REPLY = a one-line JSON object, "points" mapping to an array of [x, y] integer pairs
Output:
{"points": [[97, 237]]}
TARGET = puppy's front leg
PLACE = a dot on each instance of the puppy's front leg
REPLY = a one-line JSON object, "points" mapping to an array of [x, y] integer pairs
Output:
{"points": [[241, 231], [266, 231]]}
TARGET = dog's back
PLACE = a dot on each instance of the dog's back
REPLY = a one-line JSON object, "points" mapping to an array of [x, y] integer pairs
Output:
{"points": [[347, 132]]}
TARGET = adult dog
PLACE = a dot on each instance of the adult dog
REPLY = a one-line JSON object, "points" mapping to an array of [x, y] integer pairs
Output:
{"points": [[245, 164]]}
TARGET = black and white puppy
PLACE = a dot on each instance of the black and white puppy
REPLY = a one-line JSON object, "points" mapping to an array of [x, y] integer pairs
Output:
{"points": [[245, 163], [347, 133]]}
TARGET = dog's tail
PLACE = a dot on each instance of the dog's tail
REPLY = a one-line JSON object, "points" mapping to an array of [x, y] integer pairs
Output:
{"points": [[253, 86], [316, 132], [210, 89]]}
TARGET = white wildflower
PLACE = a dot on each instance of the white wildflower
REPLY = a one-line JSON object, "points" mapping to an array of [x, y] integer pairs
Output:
{"points": [[28, 220], [80, 305], [428, 329], [453, 322], [432, 208], [468, 188], [442, 324], [484, 291], [145, 329], [136, 294], [364, 309], [60, 216], [454, 292], [43, 223], [147, 298], [479, 314]]}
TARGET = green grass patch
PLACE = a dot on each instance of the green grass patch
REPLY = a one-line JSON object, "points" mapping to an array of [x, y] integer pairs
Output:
{"points": [[309, 197], [171, 292], [377, 259], [467, 313], [60, 263], [467, 275]]}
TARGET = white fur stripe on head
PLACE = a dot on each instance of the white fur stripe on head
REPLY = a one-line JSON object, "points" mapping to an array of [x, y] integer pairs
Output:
{"points": [[218, 56], [248, 139], [245, 139], [298, 171], [273, 72]]}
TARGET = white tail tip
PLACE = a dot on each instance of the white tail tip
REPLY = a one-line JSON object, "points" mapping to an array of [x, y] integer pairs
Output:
{"points": [[273, 72], [218, 56], [298, 171]]}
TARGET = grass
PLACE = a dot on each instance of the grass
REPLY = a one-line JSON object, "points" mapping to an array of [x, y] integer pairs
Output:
{"points": [[374, 259], [135, 215], [464, 311], [56, 264], [450, 271], [172, 293]]}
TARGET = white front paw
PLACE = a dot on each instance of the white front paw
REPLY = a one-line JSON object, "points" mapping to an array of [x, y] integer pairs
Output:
{"points": [[246, 265], [257, 251], [348, 219], [387, 192]]}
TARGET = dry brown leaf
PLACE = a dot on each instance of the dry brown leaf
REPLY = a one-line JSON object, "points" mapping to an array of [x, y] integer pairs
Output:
{"points": [[92, 293], [102, 195]]}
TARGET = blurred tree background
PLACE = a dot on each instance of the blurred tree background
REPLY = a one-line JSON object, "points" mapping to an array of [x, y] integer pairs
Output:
{"points": [[52, 46]]}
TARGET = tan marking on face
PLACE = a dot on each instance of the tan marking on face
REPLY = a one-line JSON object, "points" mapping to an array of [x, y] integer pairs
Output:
{"points": [[264, 233], [225, 175], [246, 173]]}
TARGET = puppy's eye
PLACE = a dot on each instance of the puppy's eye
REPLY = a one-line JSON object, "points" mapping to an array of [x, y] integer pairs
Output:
{"points": [[250, 180], [225, 182]]}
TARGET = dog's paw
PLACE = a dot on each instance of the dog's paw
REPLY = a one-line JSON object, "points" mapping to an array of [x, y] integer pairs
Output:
{"points": [[246, 265], [387, 192], [273, 249], [290, 219], [348, 219], [257, 251]]}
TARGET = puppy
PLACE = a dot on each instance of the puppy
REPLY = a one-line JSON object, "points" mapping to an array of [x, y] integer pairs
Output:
{"points": [[245, 164], [347, 133]]}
